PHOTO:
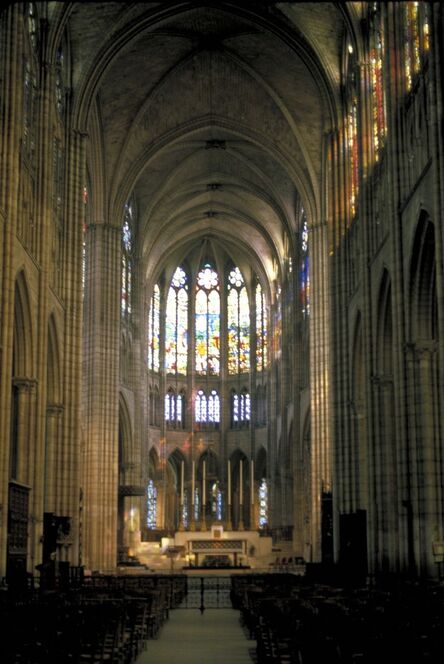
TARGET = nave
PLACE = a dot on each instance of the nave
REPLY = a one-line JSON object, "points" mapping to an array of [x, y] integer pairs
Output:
{"points": [[212, 635], [267, 618]]}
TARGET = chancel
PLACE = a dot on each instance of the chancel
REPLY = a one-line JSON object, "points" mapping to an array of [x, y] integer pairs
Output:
{"points": [[221, 311]]}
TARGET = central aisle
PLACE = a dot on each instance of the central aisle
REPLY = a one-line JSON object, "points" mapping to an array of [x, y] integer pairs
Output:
{"points": [[189, 637]]}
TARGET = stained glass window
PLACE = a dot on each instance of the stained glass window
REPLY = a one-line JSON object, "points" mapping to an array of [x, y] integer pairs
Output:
{"points": [[196, 504], [261, 330], [263, 504], [60, 90], [176, 324], [185, 509], [216, 501], [29, 110], [207, 321], [126, 261], [352, 143], [412, 53], [154, 330], [238, 314], [304, 275], [377, 80], [32, 23], [234, 409], [151, 505], [207, 407], [85, 205], [174, 409], [277, 324], [240, 408]]}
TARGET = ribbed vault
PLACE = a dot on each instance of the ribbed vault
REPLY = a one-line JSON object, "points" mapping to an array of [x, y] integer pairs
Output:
{"points": [[212, 116]]}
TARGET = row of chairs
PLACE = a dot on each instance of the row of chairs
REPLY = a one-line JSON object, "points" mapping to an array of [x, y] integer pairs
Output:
{"points": [[287, 563], [295, 620], [96, 624]]}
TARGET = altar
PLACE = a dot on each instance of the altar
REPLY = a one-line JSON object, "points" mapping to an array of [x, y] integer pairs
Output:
{"points": [[210, 548]]}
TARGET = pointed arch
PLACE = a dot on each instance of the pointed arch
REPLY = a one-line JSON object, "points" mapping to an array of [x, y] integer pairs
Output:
{"points": [[23, 329], [53, 376], [125, 436], [422, 286]]}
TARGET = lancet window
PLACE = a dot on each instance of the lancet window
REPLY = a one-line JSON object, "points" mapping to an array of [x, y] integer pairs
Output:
{"points": [[261, 329], [151, 505], [176, 324], [240, 408], [304, 273], [207, 332], [377, 54], [351, 129], [127, 239], [238, 314], [174, 409], [207, 408], [263, 503], [416, 39], [154, 330], [216, 501]]}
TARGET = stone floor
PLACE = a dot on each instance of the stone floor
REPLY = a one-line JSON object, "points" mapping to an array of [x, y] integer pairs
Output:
{"points": [[191, 637]]}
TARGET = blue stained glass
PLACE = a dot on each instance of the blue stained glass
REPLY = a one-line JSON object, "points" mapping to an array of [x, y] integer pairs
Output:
{"points": [[263, 504], [196, 504], [235, 408], [151, 505], [185, 510], [216, 501]]}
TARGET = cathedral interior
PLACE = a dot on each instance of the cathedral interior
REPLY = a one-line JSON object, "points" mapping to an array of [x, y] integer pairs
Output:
{"points": [[220, 292]]}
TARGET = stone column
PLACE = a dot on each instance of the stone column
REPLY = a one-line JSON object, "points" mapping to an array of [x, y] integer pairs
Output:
{"points": [[102, 347], [321, 462], [427, 442], [52, 471], [11, 93]]}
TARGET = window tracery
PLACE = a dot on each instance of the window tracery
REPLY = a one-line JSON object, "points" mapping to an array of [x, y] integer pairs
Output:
{"points": [[207, 408], [240, 408], [174, 409]]}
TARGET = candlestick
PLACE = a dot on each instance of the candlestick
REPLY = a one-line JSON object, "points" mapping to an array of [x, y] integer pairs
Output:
{"points": [[252, 482], [204, 493], [182, 471], [229, 483], [192, 482], [241, 497]]}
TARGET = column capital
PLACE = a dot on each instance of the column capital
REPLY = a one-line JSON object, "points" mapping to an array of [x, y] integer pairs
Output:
{"points": [[421, 349], [25, 384], [54, 409], [381, 381]]}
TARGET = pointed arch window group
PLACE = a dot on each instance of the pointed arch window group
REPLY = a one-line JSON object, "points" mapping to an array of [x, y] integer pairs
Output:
{"points": [[195, 312]]}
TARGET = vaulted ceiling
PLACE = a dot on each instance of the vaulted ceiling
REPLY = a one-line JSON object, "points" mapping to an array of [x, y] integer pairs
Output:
{"points": [[213, 115]]}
